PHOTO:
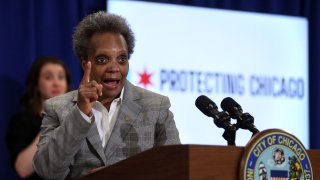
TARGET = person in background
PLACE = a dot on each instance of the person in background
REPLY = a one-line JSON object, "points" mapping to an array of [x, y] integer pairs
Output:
{"points": [[107, 119], [47, 78]]}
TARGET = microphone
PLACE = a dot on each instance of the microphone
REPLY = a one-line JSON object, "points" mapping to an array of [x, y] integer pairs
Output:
{"points": [[210, 109], [244, 120]]}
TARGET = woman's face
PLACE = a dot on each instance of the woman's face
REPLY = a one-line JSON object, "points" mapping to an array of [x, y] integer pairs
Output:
{"points": [[108, 54], [52, 81]]}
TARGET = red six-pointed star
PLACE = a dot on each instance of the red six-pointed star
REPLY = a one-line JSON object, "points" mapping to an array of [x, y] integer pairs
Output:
{"points": [[145, 78]]}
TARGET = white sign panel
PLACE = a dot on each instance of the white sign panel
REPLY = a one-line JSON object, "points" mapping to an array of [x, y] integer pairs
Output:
{"points": [[260, 60]]}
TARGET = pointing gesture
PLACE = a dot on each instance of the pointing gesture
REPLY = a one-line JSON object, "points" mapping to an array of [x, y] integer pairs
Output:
{"points": [[89, 91], [87, 71]]}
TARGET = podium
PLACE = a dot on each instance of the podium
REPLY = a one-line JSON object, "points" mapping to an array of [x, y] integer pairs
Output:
{"points": [[185, 162]]}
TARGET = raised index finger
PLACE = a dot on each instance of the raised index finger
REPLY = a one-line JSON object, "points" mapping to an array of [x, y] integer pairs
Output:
{"points": [[86, 75]]}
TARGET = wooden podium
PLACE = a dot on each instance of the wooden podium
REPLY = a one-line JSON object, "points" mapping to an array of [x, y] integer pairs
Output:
{"points": [[185, 162]]}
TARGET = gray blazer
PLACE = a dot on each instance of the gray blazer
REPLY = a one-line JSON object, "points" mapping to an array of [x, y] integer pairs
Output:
{"points": [[71, 147]]}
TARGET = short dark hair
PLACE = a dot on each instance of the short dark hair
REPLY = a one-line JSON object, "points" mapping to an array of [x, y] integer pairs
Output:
{"points": [[100, 22], [31, 99]]}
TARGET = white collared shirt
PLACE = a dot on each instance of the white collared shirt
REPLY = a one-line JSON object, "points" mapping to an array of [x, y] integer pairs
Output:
{"points": [[105, 119]]}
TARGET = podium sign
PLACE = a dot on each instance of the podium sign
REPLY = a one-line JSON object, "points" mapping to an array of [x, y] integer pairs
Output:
{"points": [[275, 154]]}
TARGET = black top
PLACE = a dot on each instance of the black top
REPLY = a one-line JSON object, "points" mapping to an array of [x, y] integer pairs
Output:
{"points": [[23, 128]]}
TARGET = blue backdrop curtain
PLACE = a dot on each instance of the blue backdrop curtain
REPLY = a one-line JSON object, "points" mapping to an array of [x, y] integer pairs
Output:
{"points": [[32, 28]]}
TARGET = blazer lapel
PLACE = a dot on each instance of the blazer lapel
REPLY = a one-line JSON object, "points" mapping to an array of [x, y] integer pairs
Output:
{"points": [[128, 114], [93, 139]]}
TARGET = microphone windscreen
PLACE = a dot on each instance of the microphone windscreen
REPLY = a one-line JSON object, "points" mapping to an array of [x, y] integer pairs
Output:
{"points": [[229, 105], [203, 102]]}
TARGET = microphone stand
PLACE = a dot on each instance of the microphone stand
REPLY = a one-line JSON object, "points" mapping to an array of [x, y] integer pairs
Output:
{"points": [[223, 121], [230, 135], [246, 122]]}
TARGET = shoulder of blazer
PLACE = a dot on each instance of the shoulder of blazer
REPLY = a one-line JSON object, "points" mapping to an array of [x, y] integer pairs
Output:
{"points": [[67, 98]]}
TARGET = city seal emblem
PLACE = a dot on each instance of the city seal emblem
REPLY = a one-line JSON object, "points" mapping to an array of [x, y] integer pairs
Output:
{"points": [[275, 154]]}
